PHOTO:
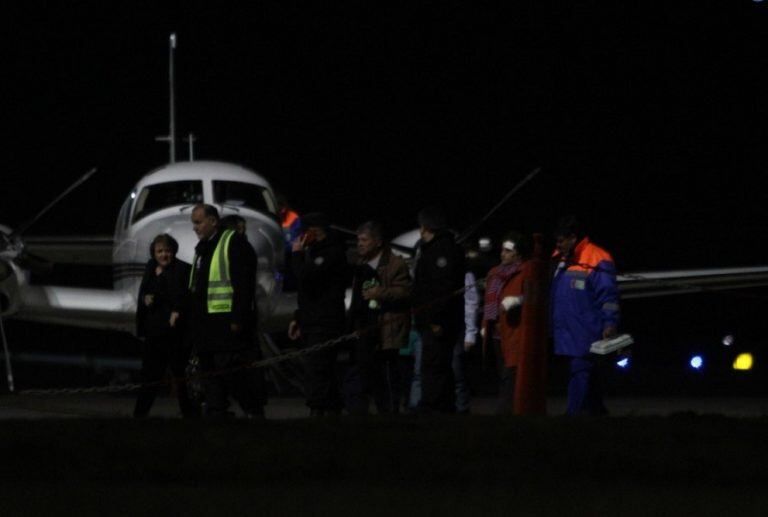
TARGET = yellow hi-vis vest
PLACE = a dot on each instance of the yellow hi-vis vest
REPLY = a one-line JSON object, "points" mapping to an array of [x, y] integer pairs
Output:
{"points": [[220, 292]]}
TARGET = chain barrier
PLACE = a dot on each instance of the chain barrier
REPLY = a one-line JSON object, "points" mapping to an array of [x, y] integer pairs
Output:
{"points": [[295, 354]]}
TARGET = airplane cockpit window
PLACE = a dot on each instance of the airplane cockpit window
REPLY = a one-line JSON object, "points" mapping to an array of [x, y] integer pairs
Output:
{"points": [[239, 194], [162, 195]]}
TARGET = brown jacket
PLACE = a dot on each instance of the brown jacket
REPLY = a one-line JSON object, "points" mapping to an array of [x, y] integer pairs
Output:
{"points": [[395, 317]]}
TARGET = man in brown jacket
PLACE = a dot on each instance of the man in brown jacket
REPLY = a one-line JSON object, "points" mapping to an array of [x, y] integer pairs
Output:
{"points": [[380, 313]]}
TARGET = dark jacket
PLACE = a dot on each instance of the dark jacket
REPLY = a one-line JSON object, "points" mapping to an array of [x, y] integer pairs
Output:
{"points": [[439, 274], [212, 332], [169, 289], [393, 315], [321, 273]]}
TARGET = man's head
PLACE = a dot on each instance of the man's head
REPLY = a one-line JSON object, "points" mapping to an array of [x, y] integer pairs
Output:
{"points": [[233, 222], [514, 246], [205, 221], [568, 233], [369, 240], [315, 226], [282, 203], [431, 220]]}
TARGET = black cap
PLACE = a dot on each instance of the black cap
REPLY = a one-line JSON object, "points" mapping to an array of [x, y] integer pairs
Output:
{"points": [[317, 219]]}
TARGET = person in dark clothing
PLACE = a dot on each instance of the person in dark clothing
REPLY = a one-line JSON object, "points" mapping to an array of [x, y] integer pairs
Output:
{"points": [[380, 313], [237, 223], [438, 308], [223, 315], [319, 263], [159, 320]]}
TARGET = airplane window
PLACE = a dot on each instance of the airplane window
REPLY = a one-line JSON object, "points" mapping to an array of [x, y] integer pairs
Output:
{"points": [[238, 194], [156, 197]]}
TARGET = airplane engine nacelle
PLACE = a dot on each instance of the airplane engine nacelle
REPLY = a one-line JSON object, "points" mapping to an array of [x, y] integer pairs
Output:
{"points": [[9, 288]]}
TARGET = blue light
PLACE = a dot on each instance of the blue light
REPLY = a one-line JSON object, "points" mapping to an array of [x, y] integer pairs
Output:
{"points": [[697, 362], [623, 363]]}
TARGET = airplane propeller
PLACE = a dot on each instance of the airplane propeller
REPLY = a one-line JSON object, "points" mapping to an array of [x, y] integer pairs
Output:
{"points": [[12, 250], [23, 258]]}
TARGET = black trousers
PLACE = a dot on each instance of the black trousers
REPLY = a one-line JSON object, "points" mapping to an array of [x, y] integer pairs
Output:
{"points": [[158, 355], [437, 382], [507, 378], [322, 385], [373, 373], [245, 385]]}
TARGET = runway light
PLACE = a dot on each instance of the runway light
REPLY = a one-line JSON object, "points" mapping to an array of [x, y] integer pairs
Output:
{"points": [[728, 340], [623, 363], [743, 362], [696, 362]]}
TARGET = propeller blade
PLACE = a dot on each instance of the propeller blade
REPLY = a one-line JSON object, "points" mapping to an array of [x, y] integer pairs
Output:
{"points": [[38, 265], [24, 227]]}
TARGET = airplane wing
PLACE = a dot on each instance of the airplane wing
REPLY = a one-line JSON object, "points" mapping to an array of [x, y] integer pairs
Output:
{"points": [[86, 250], [92, 308], [666, 283]]}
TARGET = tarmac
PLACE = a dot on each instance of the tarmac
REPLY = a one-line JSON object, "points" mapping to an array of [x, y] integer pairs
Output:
{"points": [[33, 407]]}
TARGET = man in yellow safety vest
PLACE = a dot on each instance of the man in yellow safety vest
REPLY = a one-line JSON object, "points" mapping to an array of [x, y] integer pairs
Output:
{"points": [[223, 311]]}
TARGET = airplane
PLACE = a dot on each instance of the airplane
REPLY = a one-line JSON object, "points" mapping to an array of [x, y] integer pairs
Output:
{"points": [[160, 202]]}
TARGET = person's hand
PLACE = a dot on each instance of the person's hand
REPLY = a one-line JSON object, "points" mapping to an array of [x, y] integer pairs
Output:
{"points": [[297, 244], [372, 293], [174, 318], [609, 332], [510, 302], [294, 331], [149, 299], [436, 330], [468, 345], [236, 328]]}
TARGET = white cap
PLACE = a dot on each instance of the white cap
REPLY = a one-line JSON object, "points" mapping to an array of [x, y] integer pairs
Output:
{"points": [[508, 245]]}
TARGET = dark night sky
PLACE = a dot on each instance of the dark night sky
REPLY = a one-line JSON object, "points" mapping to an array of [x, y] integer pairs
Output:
{"points": [[649, 121]]}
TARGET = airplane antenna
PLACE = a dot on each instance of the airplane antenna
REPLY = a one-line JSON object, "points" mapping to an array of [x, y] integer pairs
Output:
{"points": [[7, 354], [191, 140], [171, 136]]}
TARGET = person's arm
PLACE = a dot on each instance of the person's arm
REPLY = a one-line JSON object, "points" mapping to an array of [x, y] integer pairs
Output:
{"points": [[471, 304], [606, 289], [400, 285], [141, 307], [243, 276]]}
